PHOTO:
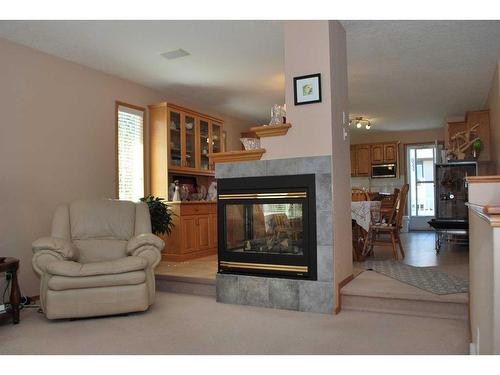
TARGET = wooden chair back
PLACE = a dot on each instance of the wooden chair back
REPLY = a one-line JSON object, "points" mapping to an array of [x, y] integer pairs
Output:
{"points": [[396, 218], [358, 195]]}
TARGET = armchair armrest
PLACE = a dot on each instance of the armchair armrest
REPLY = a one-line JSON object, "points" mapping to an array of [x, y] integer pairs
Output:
{"points": [[146, 245], [62, 247], [50, 249], [145, 239]]}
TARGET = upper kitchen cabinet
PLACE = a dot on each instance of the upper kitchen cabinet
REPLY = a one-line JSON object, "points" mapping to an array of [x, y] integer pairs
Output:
{"points": [[384, 153], [363, 163], [377, 154], [363, 156]]}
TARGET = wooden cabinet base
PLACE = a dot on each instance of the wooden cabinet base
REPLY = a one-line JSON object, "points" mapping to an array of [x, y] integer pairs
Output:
{"points": [[188, 256], [195, 231]]}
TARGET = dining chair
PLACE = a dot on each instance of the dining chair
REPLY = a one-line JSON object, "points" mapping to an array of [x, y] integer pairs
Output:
{"points": [[387, 205], [358, 195], [392, 227]]}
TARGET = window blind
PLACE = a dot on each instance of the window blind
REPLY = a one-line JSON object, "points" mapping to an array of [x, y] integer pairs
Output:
{"points": [[130, 153]]}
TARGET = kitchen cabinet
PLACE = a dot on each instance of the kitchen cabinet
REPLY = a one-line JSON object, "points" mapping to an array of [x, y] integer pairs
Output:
{"points": [[377, 154], [353, 160], [195, 232], [363, 156], [363, 160], [391, 153]]}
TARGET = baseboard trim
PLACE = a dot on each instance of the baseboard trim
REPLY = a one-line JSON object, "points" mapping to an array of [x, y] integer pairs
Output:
{"points": [[340, 285]]}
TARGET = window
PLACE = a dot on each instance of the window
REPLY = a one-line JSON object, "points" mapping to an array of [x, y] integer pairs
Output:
{"points": [[130, 123]]}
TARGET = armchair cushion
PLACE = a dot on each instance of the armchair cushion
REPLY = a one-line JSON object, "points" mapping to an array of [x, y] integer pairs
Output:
{"points": [[74, 269], [59, 245], [99, 281], [145, 239]]}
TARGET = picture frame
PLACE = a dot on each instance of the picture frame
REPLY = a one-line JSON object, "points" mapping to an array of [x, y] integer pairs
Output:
{"points": [[307, 89]]}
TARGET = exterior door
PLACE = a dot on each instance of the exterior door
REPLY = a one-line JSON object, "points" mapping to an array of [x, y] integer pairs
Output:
{"points": [[420, 161]]}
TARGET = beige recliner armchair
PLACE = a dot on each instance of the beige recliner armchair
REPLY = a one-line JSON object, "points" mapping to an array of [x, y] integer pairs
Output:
{"points": [[99, 260]]}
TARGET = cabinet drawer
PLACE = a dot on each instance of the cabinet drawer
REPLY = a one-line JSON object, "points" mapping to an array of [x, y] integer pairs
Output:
{"points": [[198, 209]]}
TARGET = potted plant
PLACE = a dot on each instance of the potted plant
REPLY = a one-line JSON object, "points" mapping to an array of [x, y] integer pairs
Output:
{"points": [[476, 147], [161, 215]]}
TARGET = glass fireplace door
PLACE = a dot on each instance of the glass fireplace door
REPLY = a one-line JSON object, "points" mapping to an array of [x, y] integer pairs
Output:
{"points": [[265, 228]]}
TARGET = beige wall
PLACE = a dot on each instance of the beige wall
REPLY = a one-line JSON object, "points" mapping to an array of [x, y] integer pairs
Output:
{"points": [[493, 104], [306, 52], [57, 142]]}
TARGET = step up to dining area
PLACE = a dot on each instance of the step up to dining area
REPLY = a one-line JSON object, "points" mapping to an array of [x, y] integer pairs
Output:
{"points": [[373, 292]]}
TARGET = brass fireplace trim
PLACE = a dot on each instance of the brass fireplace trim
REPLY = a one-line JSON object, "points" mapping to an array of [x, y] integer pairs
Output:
{"points": [[260, 266], [296, 194]]}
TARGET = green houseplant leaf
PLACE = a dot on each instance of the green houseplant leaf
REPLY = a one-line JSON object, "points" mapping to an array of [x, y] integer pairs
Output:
{"points": [[161, 215]]}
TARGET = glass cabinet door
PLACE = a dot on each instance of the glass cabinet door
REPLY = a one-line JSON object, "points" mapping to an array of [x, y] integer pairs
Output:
{"points": [[175, 139], [216, 137], [190, 141], [204, 144]]}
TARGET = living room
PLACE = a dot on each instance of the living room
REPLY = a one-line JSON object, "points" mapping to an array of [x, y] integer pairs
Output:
{"points": [[73, 88]]}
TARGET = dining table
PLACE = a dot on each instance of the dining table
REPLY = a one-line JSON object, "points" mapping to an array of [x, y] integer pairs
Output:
{"points": [[363, 213]]}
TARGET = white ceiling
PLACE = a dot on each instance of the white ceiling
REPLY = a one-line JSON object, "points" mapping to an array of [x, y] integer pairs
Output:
{"points": [[415, 74], [234, 68], [402, 74]]}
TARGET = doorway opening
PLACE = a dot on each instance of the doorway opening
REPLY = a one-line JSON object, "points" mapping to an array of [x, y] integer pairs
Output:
{"points": [[420, 163]]}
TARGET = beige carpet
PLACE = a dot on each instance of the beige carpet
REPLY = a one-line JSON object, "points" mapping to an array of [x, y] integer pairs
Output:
{"points": [[185, 324]]}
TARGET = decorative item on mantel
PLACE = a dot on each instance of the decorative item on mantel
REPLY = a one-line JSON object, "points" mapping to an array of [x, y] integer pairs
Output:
{"points": [[250, 143], [278, 113]]}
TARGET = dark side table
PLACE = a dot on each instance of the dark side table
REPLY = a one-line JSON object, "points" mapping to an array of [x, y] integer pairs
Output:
{"points": [[11, 266]]}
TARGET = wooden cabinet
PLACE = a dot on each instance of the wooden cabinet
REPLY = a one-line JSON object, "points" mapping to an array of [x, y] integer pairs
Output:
{"points": [[363, 156], [363, 163], [180, 141], [377, 154], [353, 161], [195, 231], [384, 153], [391, 153]]}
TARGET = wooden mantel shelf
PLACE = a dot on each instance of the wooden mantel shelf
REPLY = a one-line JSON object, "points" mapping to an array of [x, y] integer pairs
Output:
{"points": [[271, 130], [236, 156]]}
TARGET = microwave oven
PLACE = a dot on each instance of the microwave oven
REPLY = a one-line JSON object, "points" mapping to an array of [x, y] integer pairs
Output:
{"points": [[384, 171]]}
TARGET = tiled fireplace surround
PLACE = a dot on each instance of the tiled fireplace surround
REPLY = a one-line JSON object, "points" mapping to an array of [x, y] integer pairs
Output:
{"points": [[291, 294]]}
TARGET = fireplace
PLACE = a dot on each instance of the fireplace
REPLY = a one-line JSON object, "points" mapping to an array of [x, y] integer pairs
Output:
{"points": [[267, 226]]}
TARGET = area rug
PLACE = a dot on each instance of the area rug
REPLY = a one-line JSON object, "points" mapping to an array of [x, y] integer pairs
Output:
{"points": [[426, 278]]}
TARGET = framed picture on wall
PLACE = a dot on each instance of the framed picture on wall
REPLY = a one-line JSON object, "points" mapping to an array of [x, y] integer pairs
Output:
{"points": [[307, 89]]}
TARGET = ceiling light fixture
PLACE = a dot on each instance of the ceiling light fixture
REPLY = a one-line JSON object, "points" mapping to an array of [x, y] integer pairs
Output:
{"points": [[175, 54], [360, 121]]}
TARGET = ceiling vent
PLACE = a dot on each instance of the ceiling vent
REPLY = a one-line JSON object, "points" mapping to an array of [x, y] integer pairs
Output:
{"points": [[175, 54]]}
